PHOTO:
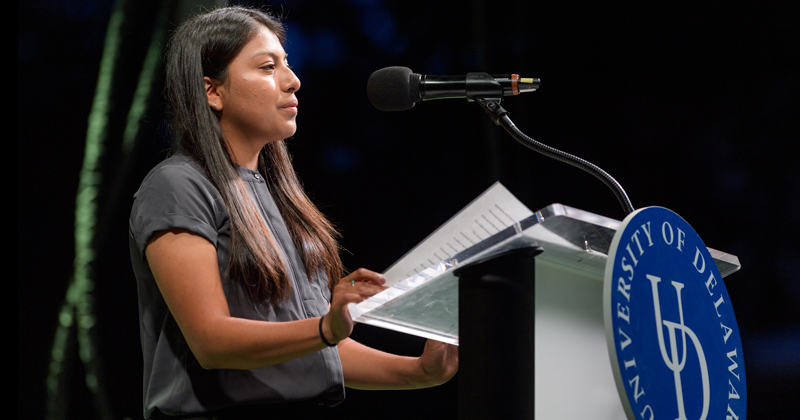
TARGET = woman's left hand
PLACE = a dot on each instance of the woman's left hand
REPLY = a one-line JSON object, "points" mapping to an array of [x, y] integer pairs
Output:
{"points": [[439, 361], [368, 368]]}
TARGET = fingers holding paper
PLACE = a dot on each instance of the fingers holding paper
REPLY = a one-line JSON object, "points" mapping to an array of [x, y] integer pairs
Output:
{"points": [[353, 288]]}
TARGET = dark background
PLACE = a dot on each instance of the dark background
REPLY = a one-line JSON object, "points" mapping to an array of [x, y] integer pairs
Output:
{"points": [[691, 107]]}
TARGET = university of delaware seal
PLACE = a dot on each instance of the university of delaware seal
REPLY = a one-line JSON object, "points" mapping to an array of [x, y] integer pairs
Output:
{"points": [[672, 336]]}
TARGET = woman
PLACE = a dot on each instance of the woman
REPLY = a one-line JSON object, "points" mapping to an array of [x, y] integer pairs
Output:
{"points": [[242, 297]]}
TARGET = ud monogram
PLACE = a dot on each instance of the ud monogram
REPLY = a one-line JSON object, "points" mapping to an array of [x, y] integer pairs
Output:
{"points": [[673, 361], [672, 337]]}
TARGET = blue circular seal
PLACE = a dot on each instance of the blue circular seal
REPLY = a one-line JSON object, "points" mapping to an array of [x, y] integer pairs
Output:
{"points": [[672, 336]]}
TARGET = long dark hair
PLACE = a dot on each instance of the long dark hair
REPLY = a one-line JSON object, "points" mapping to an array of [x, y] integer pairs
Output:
{"points": [[204, 46]]}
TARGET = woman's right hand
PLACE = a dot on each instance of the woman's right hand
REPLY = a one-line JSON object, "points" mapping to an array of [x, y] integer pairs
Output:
{"points": [[353, 288]]}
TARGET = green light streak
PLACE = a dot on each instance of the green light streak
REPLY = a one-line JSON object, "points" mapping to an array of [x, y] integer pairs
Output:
{"points": [[77, 309], [145, 84]]}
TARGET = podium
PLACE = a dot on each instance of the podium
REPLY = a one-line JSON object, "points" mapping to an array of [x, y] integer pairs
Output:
{"points": [[548, 307], [525, 306]]}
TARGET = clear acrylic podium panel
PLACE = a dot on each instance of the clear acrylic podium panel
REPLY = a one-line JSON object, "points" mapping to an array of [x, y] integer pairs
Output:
{"points": [[573, 241]]}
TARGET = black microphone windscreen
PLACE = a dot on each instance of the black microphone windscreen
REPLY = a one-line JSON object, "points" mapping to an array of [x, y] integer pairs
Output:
{"points": [[388, 89]]}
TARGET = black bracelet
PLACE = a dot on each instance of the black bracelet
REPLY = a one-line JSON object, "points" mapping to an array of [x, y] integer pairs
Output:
{"points": [[322, 336]]}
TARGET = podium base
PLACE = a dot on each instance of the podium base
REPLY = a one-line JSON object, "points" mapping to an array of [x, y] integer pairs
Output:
{"points": [[496, 336]]}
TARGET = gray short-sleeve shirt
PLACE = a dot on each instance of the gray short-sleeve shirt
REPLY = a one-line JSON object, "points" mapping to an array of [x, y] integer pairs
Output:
{"points": [[176, 194]]}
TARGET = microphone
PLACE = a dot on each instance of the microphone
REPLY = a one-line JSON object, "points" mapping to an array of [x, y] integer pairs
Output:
{"points": [[398, 88]]}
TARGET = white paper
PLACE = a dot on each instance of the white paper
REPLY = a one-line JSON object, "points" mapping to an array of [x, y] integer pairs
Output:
{"points": [[490, 213], [494, 210]]}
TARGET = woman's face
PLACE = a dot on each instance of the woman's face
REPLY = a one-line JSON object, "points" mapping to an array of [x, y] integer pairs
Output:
{"points": [[257, 98]]}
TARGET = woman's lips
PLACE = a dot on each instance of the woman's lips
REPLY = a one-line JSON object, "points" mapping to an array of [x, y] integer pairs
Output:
{"points": [[290, 106]]}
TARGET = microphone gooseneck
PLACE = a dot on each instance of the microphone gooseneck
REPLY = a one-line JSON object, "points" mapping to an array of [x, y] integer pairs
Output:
{"points": [[502, 119], [611, 183]]}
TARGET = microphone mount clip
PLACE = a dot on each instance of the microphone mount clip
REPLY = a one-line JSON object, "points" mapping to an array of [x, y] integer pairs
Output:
{"points": [[493, 108], [479, 85], [484, 89]]}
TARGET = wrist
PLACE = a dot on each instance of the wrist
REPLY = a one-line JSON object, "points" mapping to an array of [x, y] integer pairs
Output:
{"points": [[322, 334], [422, 378]]}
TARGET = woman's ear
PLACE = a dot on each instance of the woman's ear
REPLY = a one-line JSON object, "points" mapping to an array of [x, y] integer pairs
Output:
{"points": [[212, 91]]}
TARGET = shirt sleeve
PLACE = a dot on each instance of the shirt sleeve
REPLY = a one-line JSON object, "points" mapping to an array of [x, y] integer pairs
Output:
{"points": [[176, 196]]}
